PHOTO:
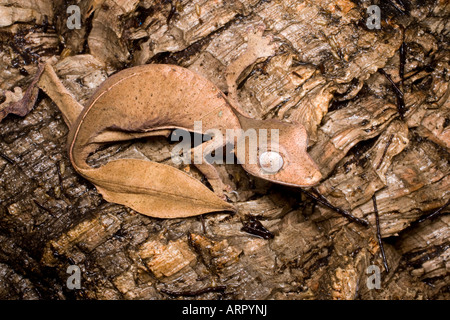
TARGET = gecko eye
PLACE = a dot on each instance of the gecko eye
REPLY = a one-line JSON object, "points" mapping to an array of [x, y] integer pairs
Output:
{"points": [[270, 161]]}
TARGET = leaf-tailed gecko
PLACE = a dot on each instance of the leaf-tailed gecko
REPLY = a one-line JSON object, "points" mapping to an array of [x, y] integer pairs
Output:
{"points": [[150, 100]]}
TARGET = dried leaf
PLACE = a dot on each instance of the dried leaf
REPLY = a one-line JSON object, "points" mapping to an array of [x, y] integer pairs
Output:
{"points": [[154, 189], [24, 105]]}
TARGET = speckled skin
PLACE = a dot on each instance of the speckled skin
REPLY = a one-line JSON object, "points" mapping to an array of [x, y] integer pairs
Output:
{"points": [[138, 101]]}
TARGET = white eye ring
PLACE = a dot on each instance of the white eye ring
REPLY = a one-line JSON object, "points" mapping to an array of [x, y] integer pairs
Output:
{"points": [[270, 161]]}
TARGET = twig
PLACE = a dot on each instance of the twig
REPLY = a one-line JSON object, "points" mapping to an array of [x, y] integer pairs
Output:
{"points": [[380, 242], [399, 6], [385, 150], [433, 214], [202, 220], [43, 208], [172, 11], [402, 53], [394, 85], [398, 93], [60, 179], [322, 200], [8, 159]]}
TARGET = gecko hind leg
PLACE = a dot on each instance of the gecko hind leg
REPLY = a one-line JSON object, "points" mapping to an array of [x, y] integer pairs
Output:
{"points": [[207, 169], [258, 46]]}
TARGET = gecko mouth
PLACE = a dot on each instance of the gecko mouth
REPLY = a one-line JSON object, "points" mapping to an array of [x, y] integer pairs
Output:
{"points": [[308, 181]]}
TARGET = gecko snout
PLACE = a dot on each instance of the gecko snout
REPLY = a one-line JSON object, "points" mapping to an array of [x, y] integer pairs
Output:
{"points": [[314, 178]]}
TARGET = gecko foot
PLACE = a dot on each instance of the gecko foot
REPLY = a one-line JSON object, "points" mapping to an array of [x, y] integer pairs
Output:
{"points": [[260, 46], [220, 188]]}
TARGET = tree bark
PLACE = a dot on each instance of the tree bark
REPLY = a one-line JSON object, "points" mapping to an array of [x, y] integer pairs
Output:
{"points": [[323, 75]]}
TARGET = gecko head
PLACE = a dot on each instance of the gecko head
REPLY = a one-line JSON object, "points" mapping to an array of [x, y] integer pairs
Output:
{"points": [[281, 155]]}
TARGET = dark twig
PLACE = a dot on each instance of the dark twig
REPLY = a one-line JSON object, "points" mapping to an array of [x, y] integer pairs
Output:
{"points": [[380, 242], [8, 159], [172, 11], [394, 85], [434, 213], [398, 93], [43, 208], [193, 293], [401, 68], [60, 179], [202, 220], [399, 6], [385, 150], [322, 200]]}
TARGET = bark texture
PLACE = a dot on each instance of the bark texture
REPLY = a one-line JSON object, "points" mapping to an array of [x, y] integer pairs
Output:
{"points": [[325, 74]]}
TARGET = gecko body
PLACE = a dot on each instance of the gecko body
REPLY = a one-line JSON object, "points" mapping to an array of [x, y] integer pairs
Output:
{"points": [[151, 99]]}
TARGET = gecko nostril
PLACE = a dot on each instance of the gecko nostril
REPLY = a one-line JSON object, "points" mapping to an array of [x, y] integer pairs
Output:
{"points": [[316, 177], [313, 178]]}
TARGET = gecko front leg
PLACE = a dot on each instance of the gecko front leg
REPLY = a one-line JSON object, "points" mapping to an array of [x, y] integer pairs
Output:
{"points": [[258, 46], [198, 157]]}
